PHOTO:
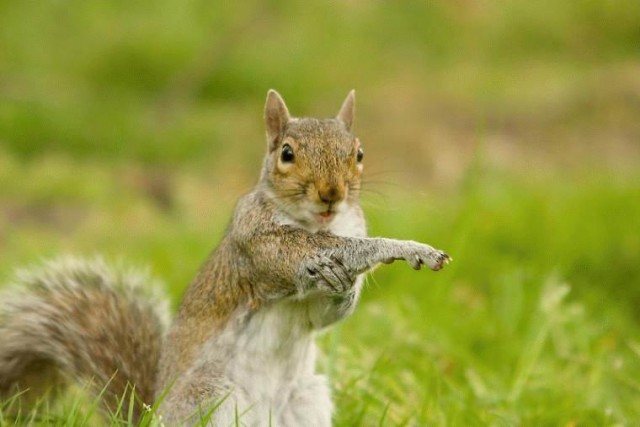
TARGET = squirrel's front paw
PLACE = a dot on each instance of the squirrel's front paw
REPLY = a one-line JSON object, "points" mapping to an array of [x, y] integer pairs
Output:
{"points": [[328, 273], [418, 254]]}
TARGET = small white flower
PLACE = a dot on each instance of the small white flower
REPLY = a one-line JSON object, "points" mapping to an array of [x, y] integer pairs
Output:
{"points": [[146, 407]]}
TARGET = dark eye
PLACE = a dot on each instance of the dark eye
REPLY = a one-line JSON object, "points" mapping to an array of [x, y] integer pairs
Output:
{"points": [[359, 155], [287, 154]]}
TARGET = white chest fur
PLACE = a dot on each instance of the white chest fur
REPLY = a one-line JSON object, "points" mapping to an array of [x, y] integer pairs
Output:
{"points": [[349, 224], [268, 366]]}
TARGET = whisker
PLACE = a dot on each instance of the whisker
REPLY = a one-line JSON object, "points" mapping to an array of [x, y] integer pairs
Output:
{"points": [[379, 182], [381, 173], [375, 192]]}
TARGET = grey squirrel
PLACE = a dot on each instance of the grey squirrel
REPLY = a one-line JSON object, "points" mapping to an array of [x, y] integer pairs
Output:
{"points": [[290, 264]]}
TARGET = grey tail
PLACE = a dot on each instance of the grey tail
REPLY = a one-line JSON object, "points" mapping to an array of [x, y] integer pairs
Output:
{"points": [[75, 320]]}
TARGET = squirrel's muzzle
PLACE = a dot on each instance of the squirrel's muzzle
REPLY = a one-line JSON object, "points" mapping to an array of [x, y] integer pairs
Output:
{"points": [[330, 194]]}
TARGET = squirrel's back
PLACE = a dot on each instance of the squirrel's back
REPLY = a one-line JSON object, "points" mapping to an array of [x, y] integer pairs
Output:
{"points": [[76, 319]]}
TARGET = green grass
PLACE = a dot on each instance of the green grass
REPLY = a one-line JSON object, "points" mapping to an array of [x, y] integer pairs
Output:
{"points": [[504, 132], [535, 321]]}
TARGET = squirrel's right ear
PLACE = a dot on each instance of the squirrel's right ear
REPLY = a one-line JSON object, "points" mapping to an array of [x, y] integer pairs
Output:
{"points": [[348, 110], [276, 117]]}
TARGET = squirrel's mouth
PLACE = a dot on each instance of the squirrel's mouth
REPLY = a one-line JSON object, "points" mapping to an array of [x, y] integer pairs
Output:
{"points": [[325, 216]]}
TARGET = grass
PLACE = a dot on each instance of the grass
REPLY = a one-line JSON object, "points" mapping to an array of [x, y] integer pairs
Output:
{"points": [[534, 323], [503, 132]]}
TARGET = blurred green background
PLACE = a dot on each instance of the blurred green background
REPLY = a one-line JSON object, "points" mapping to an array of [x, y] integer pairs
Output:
{"points": [[505, 132]]}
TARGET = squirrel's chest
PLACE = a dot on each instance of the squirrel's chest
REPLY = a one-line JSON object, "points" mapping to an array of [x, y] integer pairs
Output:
{"points": [[271, 350], [351, 224]]}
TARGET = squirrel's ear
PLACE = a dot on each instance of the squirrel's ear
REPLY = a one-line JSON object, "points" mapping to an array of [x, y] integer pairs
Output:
{"points": [[348, 110], [276, 116]]}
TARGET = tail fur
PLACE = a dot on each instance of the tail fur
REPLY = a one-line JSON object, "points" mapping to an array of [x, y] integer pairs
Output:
{"points": [[78, 320]]}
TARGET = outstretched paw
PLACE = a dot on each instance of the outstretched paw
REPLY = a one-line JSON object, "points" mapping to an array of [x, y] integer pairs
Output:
{"points": [[418, 254], [438, 259]]}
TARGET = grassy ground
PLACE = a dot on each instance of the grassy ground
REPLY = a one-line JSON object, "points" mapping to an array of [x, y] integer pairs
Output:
{"points": [[504, 132], [534, 323]]}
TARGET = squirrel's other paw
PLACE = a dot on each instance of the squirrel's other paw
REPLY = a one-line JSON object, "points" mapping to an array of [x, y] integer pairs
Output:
{"points": [[418, 254], [328, 273]]}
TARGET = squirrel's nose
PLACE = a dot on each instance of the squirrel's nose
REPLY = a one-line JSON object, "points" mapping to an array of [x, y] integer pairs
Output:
{"points": [[330, 195]]}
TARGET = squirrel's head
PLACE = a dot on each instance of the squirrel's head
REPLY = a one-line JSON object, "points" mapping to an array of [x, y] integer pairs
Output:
{"points": [[313, 166]]}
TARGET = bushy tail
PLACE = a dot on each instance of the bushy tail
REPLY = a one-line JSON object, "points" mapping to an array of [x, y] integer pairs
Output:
{"points": [[76, 320]]}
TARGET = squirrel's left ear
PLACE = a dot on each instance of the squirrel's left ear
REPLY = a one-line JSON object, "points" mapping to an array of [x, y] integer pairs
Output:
{"points": [[348, 110]]}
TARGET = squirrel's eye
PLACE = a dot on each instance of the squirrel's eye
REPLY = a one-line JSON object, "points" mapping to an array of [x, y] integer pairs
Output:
{"points": [[287, 154], [359, 155]]}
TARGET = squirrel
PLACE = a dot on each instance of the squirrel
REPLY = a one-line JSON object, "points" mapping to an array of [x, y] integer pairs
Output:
{"points": [[242, 346]]}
